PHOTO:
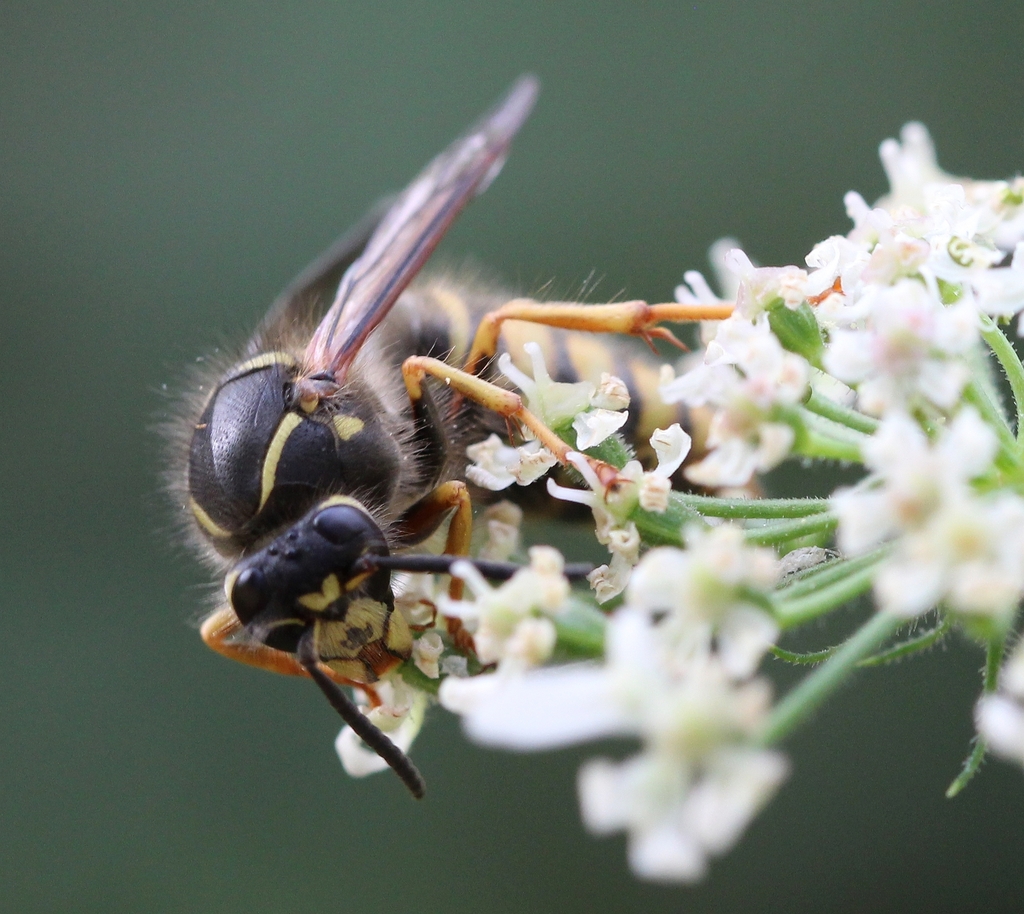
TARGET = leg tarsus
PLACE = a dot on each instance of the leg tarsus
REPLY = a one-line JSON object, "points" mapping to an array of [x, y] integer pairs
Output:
{"points": [[634, 318]]}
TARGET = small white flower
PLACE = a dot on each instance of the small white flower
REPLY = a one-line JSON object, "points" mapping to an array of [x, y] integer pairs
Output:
{"points": [[760, 287], [695, 785], [671, 445], [596, 425], [1000, 717], [654, 492], [835, 258], [495, 614], [952, 543], [502, 521], [415, 598], [496, 466], [909, 352], [611, 393], [552, 401], [1000, 722], [911, 167], [1000, 291], [704, 592], [426, 653], [493, 461], [745, 375], [612, 500], [678, 818]]}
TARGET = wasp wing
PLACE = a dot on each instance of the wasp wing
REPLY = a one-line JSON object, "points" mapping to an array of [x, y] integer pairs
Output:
{"points": [[316, 285], [412, 229]]}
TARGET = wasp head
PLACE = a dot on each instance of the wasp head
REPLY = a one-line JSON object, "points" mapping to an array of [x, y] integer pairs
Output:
{"points": [[310, 573], [262, 454]]}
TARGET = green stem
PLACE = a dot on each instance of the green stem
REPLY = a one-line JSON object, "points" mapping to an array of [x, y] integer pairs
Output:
{"points": [[822, 600], [889, 655], [823, 406], [811, 658], [1003, 350], [784, 530], [666, 528], [1007, 459], [910, 646], [828, 573], [993, 660], [580, 630], [751, 508], [813, 443], [816, 687]]}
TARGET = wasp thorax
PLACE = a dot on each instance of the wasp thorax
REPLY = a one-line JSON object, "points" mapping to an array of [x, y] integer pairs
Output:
{"points": [[260, 457], [310, 573]]}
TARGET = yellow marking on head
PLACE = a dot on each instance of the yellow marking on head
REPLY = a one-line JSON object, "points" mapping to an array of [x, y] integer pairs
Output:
{"points": [[288, 425], [342, 500], [330, 591], [347, 426], [263, 360], [457, 312], [229, 584], [399, 637], [369, 614], [206, 522], [357, 580], [589, 356]]}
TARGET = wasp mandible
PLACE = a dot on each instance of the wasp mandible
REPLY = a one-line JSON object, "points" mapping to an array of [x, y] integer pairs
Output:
{"points": [[329, 449]]}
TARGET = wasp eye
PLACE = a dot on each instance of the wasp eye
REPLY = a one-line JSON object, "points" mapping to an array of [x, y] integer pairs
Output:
{"points": [[344, 524], [250, 594]]}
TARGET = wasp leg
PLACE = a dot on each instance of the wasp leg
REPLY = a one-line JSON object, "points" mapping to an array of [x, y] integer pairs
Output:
{"points": [[634, 318], [423, 518], [503, 402], [220, 629]]}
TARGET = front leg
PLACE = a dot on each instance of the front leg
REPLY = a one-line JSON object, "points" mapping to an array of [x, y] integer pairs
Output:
{"points": [[222, 632]]}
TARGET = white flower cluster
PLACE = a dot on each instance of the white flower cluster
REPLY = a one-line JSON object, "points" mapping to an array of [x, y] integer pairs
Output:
{"points": [[512, 624], [898, 302], [873, 354], [952, 543], [613, 498], [679, 655], [745, 374]]}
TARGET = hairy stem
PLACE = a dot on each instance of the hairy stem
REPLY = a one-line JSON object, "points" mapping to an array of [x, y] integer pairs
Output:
{"points": [[822, 406], [791, 611], [812, 692], [1003, 350], [993, 660], [751, 508], [822, 523]]}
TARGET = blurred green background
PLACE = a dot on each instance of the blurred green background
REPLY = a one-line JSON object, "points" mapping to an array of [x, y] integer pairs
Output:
{"points": [[164, 170]]}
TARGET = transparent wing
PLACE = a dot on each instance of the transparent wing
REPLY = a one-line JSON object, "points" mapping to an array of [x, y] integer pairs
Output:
{"points": [[314, 288], [412, 229]]}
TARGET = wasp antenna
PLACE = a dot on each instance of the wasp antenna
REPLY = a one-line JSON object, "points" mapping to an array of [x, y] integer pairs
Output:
{"points": [[442, 564], [399, 762]]}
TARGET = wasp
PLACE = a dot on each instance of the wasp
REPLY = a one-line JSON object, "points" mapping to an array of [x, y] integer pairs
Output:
{"points": [[336, 443]]}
